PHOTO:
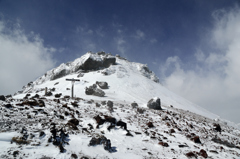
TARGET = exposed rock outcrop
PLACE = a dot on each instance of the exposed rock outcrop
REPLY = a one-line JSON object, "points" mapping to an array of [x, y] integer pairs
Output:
{"points": [[93, 90], [154, 103], [102, 85]]}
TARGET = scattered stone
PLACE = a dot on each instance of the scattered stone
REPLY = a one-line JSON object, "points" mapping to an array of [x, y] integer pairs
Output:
{"points": [[36, 96], [150, 125], [196, 140], [58, 95], [191, 154], [102, 140], [217, 127], [56, 83], [15, 153], [102, 85], [110, 104], [66, 97], [73, 123], [48, 94], [41, 103], [154, 103], [8, 106], [74, 156], [93, 90], [2, 97], [129, 134], [122, 124], [164, 144], [74, 104], [42, 134], [80, 75], [203, 153], [172, 131], [140, 110], [134, 105], [213, 151], [182, 146]]}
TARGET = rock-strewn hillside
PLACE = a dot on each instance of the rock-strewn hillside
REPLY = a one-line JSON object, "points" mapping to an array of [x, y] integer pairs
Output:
{"points": [[119, 110]]}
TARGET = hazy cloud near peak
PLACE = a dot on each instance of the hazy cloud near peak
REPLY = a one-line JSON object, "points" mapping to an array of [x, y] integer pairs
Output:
{"points": [[23, 58], [212, 81]]}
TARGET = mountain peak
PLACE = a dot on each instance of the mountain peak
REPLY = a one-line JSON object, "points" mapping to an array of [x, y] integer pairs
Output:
{"points": [[89, 62]]}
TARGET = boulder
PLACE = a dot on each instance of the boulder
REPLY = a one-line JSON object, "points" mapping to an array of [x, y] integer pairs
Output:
{"points": [[93, 90], [154, 103], [102, 85], [134, 105], [58, 95], [203, 153], [2, 97]]}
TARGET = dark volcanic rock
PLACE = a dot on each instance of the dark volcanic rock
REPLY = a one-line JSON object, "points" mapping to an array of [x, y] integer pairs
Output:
{"points": [[134, 105], [2, 97], [164, 144], [102, 85], [150, 125], [203, 153], [102, 140], [191, 154], [217, 127], [96, 64], [60, 74], [8, 106], [154, 103], [196, 139], [58, 95], [93, 90]]}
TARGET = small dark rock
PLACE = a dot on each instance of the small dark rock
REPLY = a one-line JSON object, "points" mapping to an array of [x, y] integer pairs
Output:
{"points": [[58, 95], [134, 105], [15, 153], [203, 153], [8, 106], [74, 156], [41, 134], [196, 140], [150, 125], [110, 104], [191, 154], [48, 94], [140, 110], [164, 144], [217, 127], [2, 97], [102, 85]]}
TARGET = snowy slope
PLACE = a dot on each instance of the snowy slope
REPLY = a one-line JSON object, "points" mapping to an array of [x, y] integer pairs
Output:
{"points": [[182, 129], [128, 82]]}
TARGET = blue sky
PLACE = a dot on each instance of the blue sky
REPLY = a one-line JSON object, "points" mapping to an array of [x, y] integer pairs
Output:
{"points": [[190, 44]]}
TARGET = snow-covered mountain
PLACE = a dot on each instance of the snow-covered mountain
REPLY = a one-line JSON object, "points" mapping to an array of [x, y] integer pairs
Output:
{"points": [[109, 116]]}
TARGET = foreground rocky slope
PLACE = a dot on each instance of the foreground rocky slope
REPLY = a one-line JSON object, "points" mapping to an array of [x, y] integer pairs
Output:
{"points": [[115, 124], [39, 127]]}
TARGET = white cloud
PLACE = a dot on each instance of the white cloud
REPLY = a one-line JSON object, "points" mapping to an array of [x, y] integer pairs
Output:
{"points": [[140, 35], [153, 41], [23, 58], [213, 80], [120, 42]]}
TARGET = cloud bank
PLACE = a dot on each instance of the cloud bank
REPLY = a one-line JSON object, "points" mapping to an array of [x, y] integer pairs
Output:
{"points": [[212, 79], [23, 57]]}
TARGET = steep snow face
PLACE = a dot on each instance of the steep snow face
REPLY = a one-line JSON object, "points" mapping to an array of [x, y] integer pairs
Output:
{"points": [[128, 82]]}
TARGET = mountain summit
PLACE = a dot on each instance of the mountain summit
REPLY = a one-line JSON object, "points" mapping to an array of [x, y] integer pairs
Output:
{"points": [[119, 110]]}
